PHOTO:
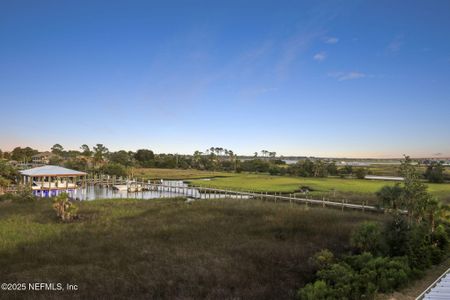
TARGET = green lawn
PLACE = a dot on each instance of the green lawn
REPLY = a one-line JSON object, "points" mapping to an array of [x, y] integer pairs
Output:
{"points": [[263, 183], [156, 173], [217, 249], [333, 188], [352, 190]]}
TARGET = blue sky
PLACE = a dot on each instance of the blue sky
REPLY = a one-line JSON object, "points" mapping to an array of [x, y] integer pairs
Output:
{"points": [[324, 78]]}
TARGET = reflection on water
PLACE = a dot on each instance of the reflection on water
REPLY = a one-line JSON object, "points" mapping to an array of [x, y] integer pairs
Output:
{"points": [[169, 190]]}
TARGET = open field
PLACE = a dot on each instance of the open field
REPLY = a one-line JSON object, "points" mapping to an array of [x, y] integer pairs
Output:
{"points": [[155, 173], [168, 248], [352, 190], [393, 170], [332, 188]]}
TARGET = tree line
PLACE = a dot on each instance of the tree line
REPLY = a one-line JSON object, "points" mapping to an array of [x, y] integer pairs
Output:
{"points": [[122, 162]]}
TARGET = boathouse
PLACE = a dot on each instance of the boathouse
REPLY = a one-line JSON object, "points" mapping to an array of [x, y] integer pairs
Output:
{"points": [[50, 180]]}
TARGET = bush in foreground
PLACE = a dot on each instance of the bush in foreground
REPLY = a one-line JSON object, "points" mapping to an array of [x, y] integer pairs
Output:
{"points": [[358, 277], [64, 208], [408, 251], [367, 238]]}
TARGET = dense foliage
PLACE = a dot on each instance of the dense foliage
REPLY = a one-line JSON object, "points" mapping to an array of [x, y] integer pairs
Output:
{"points": [[379, 265], [384, 259], [213, 159], [435, 172]]}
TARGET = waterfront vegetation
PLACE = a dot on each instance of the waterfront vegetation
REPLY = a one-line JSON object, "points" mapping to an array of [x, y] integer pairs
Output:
{"points": [[386, 259], [178, 174], [351, 189], [171, 249], [316, 178]]}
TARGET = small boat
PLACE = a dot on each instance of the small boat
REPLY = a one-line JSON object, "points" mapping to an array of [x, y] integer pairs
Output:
{"points": [[120, 187]]}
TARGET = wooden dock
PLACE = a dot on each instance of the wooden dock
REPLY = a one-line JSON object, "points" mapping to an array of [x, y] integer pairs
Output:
{"points": [[201, 192], [177, 188]]}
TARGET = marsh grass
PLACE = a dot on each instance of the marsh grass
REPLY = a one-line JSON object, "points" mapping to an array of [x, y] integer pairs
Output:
{"points": [[168, 248], [353, 190], [177, 174]]}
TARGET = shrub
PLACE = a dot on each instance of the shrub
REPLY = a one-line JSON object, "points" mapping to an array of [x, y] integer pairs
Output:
{"points": [[419, 249], [322, 259], [4, 182], [275, 170], [24, 194], [358, 277], [361, 173], [385, 273], [435, 173], [439, 244], [411, 250], [396, 236], [65, 209], [317, 290], [114, 169], [339, 277], [367, 238]]}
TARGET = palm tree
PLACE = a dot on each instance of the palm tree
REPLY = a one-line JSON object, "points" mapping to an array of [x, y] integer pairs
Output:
{"points": [[391, 196], [197, 158], [433, 210], [230, 154]]}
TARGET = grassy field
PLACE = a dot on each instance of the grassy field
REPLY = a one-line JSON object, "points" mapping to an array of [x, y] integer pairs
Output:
{"points": [[354, 190], [154, 173], [169, 248], [393, 170]]}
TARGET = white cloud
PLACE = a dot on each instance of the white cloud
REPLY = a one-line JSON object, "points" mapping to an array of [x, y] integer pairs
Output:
{"points": [[342, 76], [320, 56], [331, 40]]}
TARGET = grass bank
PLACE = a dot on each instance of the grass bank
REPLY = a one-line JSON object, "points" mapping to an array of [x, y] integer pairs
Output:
{"points": [[354, 190], [168, 248], [155, 173]]}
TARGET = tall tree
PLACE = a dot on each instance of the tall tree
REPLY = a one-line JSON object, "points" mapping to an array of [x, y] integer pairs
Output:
{"points": [[100, 152], [23, 154], [414, 195], [57, 149], [145, 157], [435, 172], [86, 151], [121, 157]]}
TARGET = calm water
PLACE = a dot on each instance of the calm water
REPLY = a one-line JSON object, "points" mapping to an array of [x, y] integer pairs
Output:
{"points": [[178, 189]]}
